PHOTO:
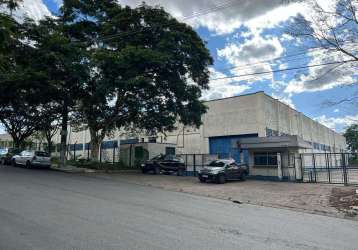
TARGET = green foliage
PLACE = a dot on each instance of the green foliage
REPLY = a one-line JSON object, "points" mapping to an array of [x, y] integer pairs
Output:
{"points": [[351, 135], [106, 166], [149, 76], [109, 66], [21, 87]]}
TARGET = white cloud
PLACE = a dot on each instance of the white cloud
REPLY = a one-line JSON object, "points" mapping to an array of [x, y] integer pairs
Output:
{"points": [[336, 111], [324, 77], [34, 9], [337, 123], [223, 88], [285, 99], [253, 50], [229, 15]]}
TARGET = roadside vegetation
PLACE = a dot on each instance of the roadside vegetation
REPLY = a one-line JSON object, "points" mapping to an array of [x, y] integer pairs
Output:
{"points": [[99, 66]]}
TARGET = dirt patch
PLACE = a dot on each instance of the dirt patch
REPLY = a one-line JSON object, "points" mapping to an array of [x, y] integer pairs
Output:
{"points": [[345, 200]]}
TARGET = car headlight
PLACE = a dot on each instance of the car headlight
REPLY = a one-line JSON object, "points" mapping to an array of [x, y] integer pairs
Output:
{"points": [[142, 165]]}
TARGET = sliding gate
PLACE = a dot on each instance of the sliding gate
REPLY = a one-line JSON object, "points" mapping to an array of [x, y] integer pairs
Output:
{"points": [[335, 168]]}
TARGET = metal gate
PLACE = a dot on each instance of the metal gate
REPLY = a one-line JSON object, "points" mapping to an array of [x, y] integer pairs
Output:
{"points": [[335, 168]]}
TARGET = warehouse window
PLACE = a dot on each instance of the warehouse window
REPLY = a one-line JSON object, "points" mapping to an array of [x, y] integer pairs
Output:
{"points": [[265, 159], [271, 132]]}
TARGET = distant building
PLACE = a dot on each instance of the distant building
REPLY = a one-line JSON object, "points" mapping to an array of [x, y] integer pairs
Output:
{"points": [[253, 128]]}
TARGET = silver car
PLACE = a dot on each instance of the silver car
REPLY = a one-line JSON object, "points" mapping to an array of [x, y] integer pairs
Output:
{"points": [[31, 158]]}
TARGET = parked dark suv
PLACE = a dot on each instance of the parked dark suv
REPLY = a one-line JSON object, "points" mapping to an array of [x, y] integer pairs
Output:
{"points": [[164, 163], [220, 171], [6, 155]]}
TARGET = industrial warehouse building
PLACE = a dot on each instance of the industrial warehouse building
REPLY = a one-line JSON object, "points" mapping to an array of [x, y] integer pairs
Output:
{"points": [[253, 128]]}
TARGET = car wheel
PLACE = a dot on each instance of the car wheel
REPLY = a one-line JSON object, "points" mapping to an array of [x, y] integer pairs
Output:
{"points": [[2, 161], [13, 163], [243, 176], [202, 180], [157, 170], [28, 164], [221, 179]]}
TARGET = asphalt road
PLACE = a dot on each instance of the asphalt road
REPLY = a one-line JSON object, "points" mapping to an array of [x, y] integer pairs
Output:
{"points": [[41, 209]]}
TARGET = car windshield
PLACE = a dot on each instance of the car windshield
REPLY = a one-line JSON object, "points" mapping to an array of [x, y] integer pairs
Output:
{"points": [[216, 164], [42, 154], [158, 157], [3, 151]]}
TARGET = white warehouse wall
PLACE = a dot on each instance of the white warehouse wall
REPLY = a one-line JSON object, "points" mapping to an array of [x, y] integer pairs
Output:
{"points": [[225, 117], [250, 114]]}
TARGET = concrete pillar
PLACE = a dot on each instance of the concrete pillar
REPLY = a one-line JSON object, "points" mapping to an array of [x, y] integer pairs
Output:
{"points": [[279, 167], [298, 169]]}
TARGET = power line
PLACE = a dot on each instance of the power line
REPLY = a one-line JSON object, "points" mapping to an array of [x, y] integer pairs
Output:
{"points": [[211, 10], [303, 52], [282, 70], [194, 15], [271, 60]]}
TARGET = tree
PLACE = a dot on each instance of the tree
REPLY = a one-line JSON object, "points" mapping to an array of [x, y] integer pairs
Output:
{"points": [[20, 106], [351, 135], [64, 64], [147, 69], [334, 30], [50, 126], [11, 5]]}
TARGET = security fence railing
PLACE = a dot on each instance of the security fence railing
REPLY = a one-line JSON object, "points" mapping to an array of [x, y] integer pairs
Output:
{"points": [[195, 162], [335, 168]]}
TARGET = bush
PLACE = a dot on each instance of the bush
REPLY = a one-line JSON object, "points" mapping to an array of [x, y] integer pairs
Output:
{"points": [[55, 160], [107, 166]]}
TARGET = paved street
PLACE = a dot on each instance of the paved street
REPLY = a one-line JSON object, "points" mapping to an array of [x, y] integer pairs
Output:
{"points": [[303, 197], [41, 209]]}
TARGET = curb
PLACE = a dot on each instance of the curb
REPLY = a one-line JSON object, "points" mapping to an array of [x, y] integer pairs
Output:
{"points": [[73, 170]]}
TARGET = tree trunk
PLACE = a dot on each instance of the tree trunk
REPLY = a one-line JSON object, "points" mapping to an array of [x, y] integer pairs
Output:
{"points": [[63, 136], [96, 140], [17, 142], [49, 145]]}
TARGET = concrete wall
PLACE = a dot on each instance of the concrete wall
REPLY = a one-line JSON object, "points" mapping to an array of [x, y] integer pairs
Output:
{"points": [[225, 117], [284, 120], [249, 114]]}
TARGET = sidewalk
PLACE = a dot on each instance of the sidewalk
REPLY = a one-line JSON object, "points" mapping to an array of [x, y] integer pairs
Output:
{"points": [[305, 197]]}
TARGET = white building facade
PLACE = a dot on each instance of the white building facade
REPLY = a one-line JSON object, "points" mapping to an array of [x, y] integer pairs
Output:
{"points": [[253, 115]]}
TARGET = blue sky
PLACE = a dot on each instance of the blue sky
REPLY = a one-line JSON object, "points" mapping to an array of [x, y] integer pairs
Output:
{"points": [[241, 33]]}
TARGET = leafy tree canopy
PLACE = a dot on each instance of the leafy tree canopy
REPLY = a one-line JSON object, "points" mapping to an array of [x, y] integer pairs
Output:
{"points": [[147, 69], [351, 135]]}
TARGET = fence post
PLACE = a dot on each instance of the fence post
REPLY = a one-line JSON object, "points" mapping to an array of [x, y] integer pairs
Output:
{"points": [[130, 155], [202, 161], [74, 151], [194, 163], [186, 164], [345, 177], [302, 170], [328, 167], [114, 153], [88, 151], [314, 167], [100, 153]]}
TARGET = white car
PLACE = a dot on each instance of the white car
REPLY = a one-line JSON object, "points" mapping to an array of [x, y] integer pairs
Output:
{"points": [[32, 158]]}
